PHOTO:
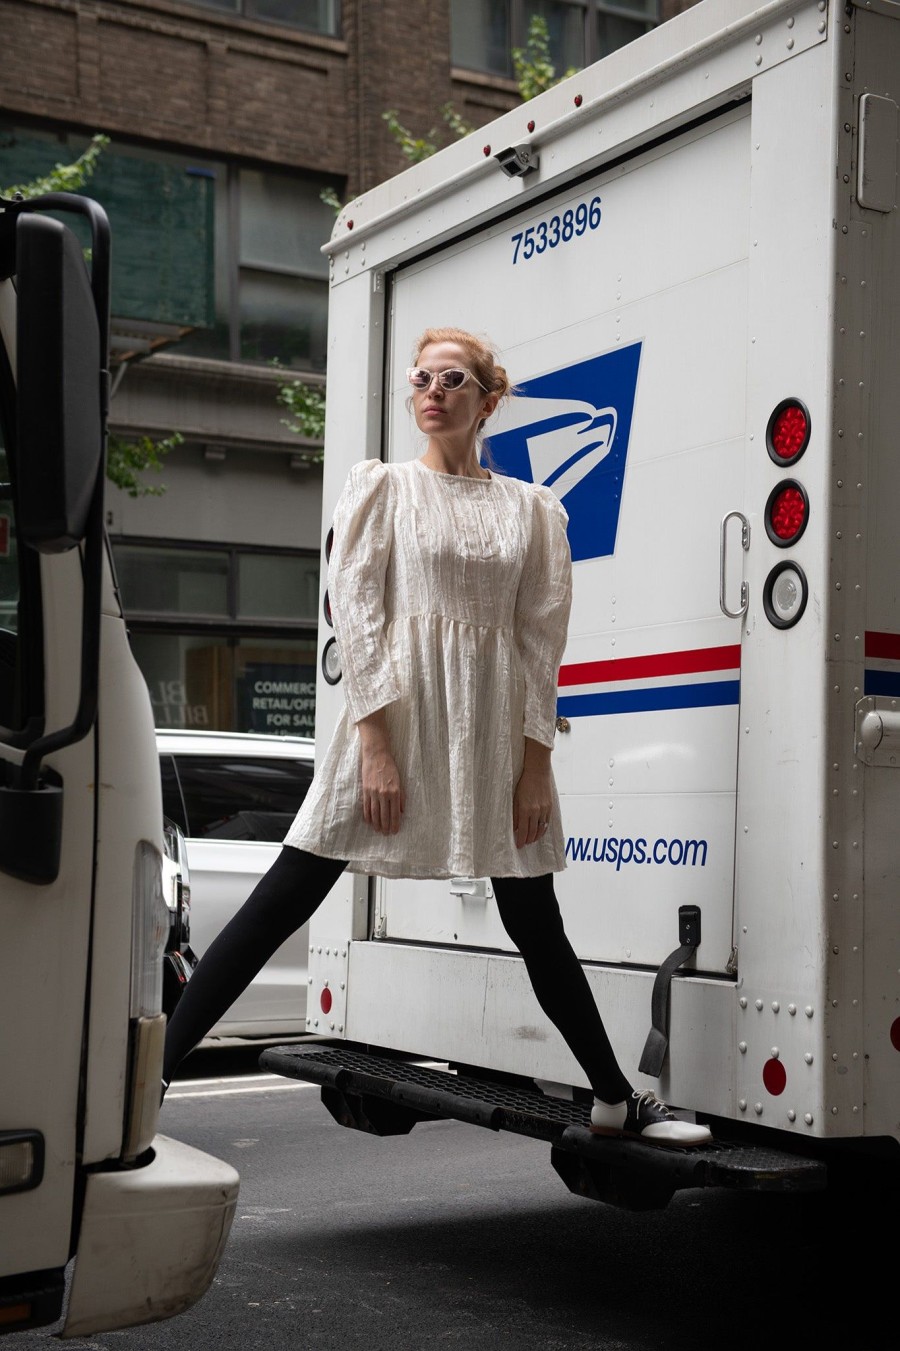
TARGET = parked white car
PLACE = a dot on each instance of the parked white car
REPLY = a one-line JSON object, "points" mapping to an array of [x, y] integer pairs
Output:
{"points": [[234, 795]]}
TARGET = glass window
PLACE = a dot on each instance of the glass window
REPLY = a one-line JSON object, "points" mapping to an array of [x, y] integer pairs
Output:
{"points": [[232, 684], [275, 686], [215, 341], [272, 586], [565, 26], [172, 581], [480, 35], [229, 797], [283, 317], [615, 30], [189, 678], [483, 32], [284, 223], [320, 16], [173, 806]]}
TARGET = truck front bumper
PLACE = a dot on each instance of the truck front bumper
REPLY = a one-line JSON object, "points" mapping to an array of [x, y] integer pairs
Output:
{"points": [[150, 1239]]}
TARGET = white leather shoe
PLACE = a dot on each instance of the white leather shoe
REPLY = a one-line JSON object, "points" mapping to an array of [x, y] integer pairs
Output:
{"points": [[644, 1116]]}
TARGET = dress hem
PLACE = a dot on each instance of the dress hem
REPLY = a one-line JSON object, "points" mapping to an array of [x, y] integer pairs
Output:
{"points": [[379, 867]]}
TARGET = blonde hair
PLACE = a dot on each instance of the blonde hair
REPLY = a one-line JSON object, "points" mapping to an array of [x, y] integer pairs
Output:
{"points": [[480, 354]]}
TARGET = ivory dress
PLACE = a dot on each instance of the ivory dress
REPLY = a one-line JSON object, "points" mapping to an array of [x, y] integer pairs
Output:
{"points": [[450, 598]]}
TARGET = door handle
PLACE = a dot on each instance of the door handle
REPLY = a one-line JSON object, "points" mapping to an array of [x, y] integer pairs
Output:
{"points": [[745, 545]]}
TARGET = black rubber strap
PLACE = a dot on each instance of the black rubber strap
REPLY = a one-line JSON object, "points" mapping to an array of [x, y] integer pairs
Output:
{"points": [[657, 1042]]}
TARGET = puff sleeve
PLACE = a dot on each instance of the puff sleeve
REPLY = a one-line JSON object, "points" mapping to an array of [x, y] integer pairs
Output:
{"points": [[363, 536], [543, 602]]}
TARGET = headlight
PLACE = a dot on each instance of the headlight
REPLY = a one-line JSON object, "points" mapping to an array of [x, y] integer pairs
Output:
{"points": [[150, 928]]}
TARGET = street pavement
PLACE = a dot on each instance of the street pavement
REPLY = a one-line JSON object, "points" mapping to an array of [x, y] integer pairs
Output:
{"points": [[455, 1236]]}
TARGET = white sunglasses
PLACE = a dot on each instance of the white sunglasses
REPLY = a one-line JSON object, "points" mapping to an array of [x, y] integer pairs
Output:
{"points": [[453, 378]]}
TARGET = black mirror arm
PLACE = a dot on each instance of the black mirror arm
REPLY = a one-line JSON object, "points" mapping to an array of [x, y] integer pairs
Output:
{"points": [[95, 535], [86, 713]]}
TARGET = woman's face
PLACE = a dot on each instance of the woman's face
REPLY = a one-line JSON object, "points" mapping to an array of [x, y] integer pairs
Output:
{"points": [[450, 413]]}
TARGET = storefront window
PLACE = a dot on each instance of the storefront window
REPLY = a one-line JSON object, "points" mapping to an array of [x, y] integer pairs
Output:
{"points": [[225, 638], [204, 682]]}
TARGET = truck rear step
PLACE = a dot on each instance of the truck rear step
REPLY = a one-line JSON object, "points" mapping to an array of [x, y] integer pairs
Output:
{"points": [[387, 1096]]}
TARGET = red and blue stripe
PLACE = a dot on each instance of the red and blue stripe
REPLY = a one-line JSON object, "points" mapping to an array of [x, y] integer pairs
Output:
{"points": [[705, 677], [882, 674]]}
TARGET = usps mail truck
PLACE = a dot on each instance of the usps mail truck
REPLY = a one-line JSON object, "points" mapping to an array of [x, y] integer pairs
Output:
{"points": [[689, 257], [83, 917]]}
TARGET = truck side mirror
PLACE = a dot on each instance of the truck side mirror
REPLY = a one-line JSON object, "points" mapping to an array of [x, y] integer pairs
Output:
{"points": [[59, 395]]}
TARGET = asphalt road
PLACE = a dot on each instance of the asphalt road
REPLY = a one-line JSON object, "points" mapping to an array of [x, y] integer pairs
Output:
{"points": [[454, 1236]]}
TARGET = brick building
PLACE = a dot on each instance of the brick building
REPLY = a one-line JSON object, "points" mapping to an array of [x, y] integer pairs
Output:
{"points": [[227, 119]]}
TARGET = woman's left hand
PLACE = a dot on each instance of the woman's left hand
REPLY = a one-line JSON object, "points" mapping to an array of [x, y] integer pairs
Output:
{"points": [[533, 797]]}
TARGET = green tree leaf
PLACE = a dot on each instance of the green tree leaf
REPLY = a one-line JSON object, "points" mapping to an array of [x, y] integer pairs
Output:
{"points": [[306, 405], [62, 177], [127, 458]]}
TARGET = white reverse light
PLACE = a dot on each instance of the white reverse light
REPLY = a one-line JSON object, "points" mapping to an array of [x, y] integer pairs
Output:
{"points": [[331, 662], [785, 595]]}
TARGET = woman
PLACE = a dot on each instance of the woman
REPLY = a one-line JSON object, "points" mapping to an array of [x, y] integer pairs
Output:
{"points": [[450, 589]]}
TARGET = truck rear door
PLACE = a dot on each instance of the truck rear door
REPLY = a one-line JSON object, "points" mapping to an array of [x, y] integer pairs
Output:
{"points": [[620, 308]]}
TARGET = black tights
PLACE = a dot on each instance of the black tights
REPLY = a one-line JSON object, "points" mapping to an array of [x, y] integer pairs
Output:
{"points": [[293, 889]]}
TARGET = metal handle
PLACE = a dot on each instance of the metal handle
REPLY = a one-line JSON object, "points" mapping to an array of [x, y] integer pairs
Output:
{"points": [[475, 888], [745, 545]]}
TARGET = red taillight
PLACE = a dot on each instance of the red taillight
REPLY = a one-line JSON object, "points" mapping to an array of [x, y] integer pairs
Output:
{"points": [[786, 513], [787, 434]]}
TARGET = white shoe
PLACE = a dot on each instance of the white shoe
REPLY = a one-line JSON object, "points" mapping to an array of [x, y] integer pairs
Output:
{"points": [[644, 1116]]}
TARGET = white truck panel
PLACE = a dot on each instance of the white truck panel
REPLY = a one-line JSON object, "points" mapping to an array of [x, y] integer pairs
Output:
{"points": [[730, 267]]}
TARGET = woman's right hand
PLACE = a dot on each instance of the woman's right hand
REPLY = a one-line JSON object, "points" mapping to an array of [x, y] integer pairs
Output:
{"points": [[383, 798]]}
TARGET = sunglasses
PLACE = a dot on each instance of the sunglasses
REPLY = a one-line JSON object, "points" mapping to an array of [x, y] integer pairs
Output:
{"points": [[454, 378]]}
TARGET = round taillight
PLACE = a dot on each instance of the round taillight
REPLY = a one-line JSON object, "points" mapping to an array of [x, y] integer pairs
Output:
{"points": [[787, 434], [326, 610], [331, 662], [785, 595], [787, 512], [329, 543], [325, 1000]]}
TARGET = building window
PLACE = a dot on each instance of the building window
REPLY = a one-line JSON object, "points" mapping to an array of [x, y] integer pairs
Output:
{"points": [[315, 16], [484, 32], [271, 287], [233, 254], [225, 637]]}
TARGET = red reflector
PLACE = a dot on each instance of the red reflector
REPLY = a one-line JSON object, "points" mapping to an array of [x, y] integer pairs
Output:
{"points": [[895, 1034], [774, 1077], [787, 513], [325, 1000]]}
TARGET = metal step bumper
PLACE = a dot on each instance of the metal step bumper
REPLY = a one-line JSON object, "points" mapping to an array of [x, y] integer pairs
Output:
{"points": [[384, 1095]]}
